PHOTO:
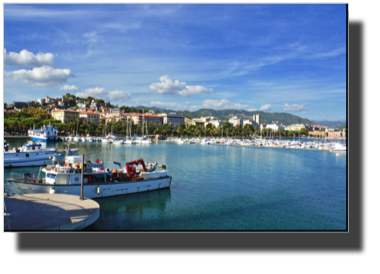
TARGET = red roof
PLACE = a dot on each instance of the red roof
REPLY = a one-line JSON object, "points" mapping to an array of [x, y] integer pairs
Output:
{"points": [[89, 112]]}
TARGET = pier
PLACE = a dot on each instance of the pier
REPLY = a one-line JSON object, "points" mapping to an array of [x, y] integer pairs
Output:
{"points": [[34, 212]]}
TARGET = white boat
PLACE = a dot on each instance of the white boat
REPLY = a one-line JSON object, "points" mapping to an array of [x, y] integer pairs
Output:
{"points": [[6, 145], [76, 139], [97, 182], [338, 148], [44, 134], [31, 154], [129, 142], [180, 141], [117, 141]]}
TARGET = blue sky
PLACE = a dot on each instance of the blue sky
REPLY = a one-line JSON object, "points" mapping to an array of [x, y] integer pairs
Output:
{"points": [[275, 58]]}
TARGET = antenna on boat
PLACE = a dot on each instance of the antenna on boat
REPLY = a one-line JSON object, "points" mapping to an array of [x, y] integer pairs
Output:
{"points": [[81, 185]]}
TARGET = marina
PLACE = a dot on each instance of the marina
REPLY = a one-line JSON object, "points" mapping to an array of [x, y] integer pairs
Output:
{"points": [[221, 187]]}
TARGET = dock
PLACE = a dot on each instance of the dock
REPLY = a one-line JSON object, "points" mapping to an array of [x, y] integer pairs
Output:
{"points": [[35, 212]]}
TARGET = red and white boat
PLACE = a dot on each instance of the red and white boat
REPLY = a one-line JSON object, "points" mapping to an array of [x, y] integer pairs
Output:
{"points": [[97, 180]]}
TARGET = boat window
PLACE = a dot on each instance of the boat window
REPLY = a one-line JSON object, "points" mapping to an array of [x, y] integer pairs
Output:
{"points": [[51, 176], [33, 148], [27, 155], [36, 153]]}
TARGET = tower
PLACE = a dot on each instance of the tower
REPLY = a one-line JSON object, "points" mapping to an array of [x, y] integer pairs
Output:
{"points": [[256, 118]]}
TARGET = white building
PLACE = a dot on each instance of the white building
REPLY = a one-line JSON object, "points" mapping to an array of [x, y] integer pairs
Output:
{"points": [[114, 110], [295, 127], [61, 104], [235, 121], [250, 122], [81, 105], [216, 123], [256, 119], [275, 127]]}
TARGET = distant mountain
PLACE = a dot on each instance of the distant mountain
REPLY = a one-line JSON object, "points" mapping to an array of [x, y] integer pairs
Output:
{"points": [[331, 123], [226, 114]]}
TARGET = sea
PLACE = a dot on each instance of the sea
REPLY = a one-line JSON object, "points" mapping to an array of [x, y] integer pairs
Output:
{"points": [[221, 188]]}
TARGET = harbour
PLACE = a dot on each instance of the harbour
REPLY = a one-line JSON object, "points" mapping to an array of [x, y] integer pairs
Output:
{"points": [[222, 187]]}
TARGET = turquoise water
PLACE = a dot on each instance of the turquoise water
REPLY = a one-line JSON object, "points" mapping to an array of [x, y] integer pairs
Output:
{"points": [[224, 188]]}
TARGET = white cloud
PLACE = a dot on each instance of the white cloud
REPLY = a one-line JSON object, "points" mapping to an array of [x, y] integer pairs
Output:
{"points": [[222, 104], [168, 87], [121, 27], [26, 58], [266, 107], [67, 87], [331, 53], [295, 107], [44, 76], [165, 105], [116, 95]]}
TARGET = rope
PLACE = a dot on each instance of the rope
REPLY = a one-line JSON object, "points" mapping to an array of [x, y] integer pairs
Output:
{"points": [[176, 184]]}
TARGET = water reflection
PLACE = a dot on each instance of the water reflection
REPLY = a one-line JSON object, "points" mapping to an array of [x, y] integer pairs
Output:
{"points": [[131, 212]]}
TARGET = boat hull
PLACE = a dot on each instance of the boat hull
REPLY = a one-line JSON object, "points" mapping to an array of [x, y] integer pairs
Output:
{"points": [[44, 139], [30, 162], [94, 191]]}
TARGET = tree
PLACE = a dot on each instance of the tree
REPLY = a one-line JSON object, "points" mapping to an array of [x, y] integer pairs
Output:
{"points": [[67, 95]]}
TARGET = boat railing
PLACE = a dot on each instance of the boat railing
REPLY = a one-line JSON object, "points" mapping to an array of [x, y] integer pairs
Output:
{"points": [[16, 175], [20, 177]]}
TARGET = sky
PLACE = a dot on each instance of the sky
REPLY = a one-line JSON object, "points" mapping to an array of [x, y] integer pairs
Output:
{"points": [[273, 58]]}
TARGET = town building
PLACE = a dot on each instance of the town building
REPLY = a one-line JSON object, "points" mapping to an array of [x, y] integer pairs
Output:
{"points": [[150, 118], [275, 127], [61, 104], [262, 126], [115, 110], [81, 105], [49, 100], [116, 119], [20, 105], [256, 119], [317, 133], [214, 122], [235, 121], [41, 101], [295, 127], [172, 118], [152, 111], [89, 116], [194, 122], [334, 134], [65, 115]]}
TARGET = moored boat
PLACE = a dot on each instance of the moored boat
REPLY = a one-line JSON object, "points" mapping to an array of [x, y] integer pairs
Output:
{"points": [[97, 181], [31, 154], [44, 134]]}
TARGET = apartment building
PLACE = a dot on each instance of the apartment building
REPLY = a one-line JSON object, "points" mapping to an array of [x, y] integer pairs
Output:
{"points": [[172, 118], [63, 114], [88, 116]]}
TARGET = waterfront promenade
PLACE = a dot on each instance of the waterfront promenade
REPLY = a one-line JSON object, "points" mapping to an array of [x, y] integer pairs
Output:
{"points": [[31, 212]]}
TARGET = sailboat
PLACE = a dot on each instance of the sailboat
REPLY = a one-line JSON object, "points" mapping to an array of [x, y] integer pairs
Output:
{"points": [[128, 139]]}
